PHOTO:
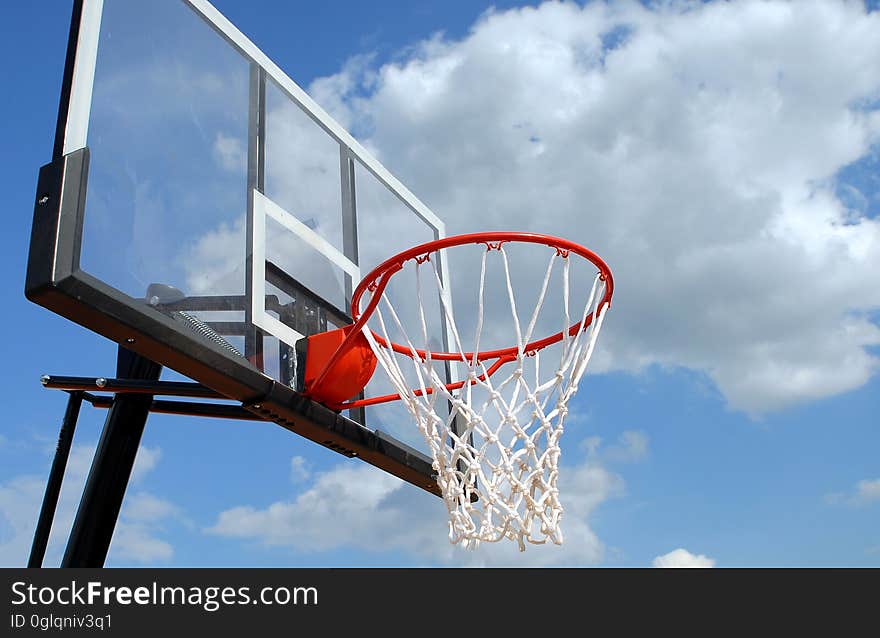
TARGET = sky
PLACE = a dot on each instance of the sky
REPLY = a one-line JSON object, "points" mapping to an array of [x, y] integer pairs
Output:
{"points": [[722, 158]]}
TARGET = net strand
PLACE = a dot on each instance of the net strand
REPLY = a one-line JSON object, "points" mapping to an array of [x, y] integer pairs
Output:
{"points": [[496, 459]]}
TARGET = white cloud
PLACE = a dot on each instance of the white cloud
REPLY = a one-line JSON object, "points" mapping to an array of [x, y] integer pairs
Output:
{"points": [[80, 462], [698, 157], [137, 543], [146, 507], [230, 153], [337, 93], [145, 462], [361, 507], [137, 533], [213, 264], [632, 446], [300, 469], [591, 444], [20, 499], [683, 558], [866, 492]]}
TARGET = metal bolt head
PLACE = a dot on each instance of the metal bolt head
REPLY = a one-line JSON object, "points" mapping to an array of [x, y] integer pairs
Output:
{"points": [[43, 200], [45, 379], [101, 382], [257, 406], [129, 340]]}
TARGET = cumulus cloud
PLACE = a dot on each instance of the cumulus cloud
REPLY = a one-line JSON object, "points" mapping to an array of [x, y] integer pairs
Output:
{"points": [[145, 461], [143, 506], [20, 497], [230, 153], [697, 148], [683, 558], [138, 533], [357, 506], [137, 543], [137, 537], [866, 492], [214, 263], [631, 446], [300, 469]]}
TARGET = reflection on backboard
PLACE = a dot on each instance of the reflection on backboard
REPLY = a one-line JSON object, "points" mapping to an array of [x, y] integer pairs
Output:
{"points": [[209, 214]]}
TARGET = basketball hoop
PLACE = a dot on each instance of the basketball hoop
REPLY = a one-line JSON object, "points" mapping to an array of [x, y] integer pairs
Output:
{"points": [[496, 452]]}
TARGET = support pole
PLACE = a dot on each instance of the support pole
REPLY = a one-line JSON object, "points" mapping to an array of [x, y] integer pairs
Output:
{"points": [[256, 180], [111, 468], [56, 477]]}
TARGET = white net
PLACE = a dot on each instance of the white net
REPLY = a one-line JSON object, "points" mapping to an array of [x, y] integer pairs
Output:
{"points": [[495, 440]]}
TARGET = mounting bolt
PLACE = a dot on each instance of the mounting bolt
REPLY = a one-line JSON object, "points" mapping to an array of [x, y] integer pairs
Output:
{"points": [[43, 200], [45, 379], [129, 340], [101, 382], [257, 406]]}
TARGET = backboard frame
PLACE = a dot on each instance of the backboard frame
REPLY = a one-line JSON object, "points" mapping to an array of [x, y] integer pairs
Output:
{"points": [[56, 281]]}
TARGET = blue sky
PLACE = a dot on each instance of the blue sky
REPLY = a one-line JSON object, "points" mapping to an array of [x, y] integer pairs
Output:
{"points": [[729, 175]]}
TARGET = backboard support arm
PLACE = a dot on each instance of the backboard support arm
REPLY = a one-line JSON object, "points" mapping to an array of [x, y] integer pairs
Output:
{"points": [[347, 439], [111, 468]]}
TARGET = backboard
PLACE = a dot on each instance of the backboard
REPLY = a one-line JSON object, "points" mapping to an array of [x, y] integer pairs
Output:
{"points": [[202, 210]]}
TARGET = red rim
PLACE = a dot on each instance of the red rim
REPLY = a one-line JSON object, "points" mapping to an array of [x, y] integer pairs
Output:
{"points": [[376, 281]]}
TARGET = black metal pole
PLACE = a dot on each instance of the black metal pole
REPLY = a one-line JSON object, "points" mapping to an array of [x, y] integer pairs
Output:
{"points": [[105, 488], [56, 477]]}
